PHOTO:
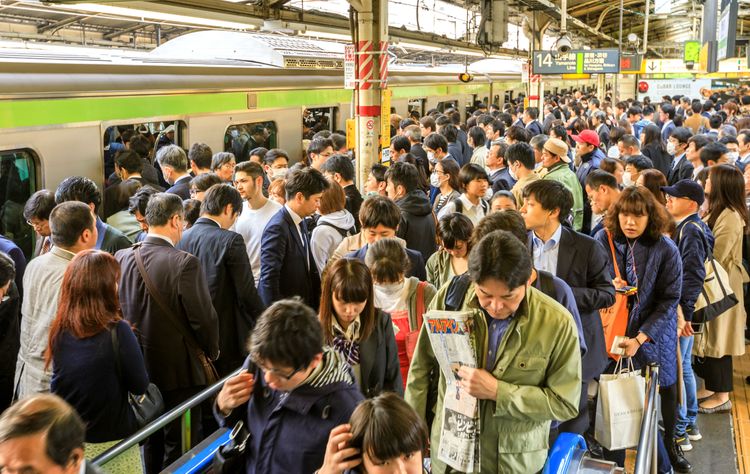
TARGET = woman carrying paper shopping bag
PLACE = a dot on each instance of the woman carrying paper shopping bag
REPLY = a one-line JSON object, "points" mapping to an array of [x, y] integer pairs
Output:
{"points": [[651, 273]]}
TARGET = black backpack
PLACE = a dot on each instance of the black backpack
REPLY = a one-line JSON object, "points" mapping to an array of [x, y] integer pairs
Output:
{"points": [[343, 232]]}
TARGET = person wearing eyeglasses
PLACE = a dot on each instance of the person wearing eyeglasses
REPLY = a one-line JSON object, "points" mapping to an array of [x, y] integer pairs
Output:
{"points": [[223, 165], [36, 211], [291, 392]]}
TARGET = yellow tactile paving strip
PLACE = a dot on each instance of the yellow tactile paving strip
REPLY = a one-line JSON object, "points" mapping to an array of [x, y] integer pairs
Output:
{"points": [[741, 412]]}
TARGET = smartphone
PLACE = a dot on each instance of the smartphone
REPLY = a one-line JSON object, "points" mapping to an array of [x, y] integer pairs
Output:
{"points": [[697, 327], [627, 290]]}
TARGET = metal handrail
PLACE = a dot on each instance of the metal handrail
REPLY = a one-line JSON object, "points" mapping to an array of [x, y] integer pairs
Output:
{"points": [[161, 422], [646, 454]]}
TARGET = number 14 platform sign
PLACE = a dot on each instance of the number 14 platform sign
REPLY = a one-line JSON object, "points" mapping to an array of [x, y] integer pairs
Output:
{"points": [[587, 61]]}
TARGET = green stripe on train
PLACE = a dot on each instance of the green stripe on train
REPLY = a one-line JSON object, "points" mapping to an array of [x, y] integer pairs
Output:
{"points": [[31, 113]]}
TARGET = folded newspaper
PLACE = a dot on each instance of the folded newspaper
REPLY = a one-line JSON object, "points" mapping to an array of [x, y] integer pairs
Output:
{"points": [[451, 342]]}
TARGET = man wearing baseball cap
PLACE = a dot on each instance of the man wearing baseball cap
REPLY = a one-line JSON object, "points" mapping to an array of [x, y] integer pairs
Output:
{"points": [[556, 166], [695, 242], [589, 156]]}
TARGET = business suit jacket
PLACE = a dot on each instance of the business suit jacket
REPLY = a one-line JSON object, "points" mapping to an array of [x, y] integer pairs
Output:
{"points": [[114, 240], [683, 170], [287, 267], [170, 361], [230, 281], [181, 188], [111, 193], [582, 264], [667, 130]]}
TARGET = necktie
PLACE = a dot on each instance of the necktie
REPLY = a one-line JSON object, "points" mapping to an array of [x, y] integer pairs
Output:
{"points": [[46, 244], [305, 243]]}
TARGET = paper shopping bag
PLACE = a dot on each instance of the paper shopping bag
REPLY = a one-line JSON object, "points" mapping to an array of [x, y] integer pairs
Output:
{"points": [[619, 409]]}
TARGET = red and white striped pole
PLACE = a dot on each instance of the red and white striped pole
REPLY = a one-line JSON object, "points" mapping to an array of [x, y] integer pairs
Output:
{"points": [[371, 44]]}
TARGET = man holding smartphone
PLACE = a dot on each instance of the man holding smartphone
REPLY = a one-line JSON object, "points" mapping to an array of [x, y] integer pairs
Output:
{"points": [[695, 242]]}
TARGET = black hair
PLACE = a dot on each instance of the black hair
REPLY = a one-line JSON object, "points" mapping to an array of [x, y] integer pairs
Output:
{"points": [[401, 143], [192, 210], [307, 181], [249, 168], [521, 152], [478, 136], [668, 109], [518, 134], [727, 139], [449, 132], [139, 200], [39, 205], [204, 181], [218, 196], [201, 155], [699, 141], [260, 152], [551, 195], [67, 222], [140, 145], [274, 154], [713, 152], [471, 171], [338, 141], [640, 162], [317, 145], [453, 228], [681, 134], [434, 141], [340, 164], [129, 160], [379, 210], [599, 177], [507, 219], [504, 194], [715, 121], [403, 174], [287, 334], [378, 171], [532, 112], [79, 188], [500, 256]]}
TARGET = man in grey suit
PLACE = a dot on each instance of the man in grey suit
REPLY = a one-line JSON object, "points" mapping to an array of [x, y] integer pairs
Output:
{"points": [[73, 230], [168, 301]]}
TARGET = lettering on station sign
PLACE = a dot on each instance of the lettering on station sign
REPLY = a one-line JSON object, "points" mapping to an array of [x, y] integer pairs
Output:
{"points": [[590, 61]]}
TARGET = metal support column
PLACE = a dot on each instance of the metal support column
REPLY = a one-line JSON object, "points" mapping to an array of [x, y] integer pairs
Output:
{"points": [[371, 49]]}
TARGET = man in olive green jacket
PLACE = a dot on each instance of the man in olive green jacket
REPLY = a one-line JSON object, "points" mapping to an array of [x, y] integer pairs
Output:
{"points": [[526, 346], [556, 166]]}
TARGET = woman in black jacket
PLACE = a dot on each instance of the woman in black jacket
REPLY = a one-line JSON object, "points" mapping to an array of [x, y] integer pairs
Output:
{"points": [[357, 330], [652, 147]]}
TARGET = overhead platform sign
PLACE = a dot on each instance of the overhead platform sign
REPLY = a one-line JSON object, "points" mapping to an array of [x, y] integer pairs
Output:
{"points": [[589, 61]]}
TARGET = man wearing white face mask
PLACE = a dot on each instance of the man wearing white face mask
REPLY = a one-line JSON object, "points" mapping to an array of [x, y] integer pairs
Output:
{"points": [[633, 167], [276, 163], [257, 210], [733, 148]]}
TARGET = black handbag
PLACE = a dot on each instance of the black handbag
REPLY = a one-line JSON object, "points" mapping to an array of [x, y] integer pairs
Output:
{"points": [[230, 458], [146, 407]]}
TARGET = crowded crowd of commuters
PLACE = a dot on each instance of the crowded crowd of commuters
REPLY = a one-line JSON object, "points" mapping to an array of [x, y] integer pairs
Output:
{"points": [[531, 222]]}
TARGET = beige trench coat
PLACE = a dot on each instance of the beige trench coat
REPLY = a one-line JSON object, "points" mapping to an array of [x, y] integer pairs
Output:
{"points": [[725, 335]]}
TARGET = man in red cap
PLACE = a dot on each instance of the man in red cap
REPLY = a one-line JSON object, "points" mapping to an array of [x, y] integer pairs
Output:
{"points": [[588, 157]]}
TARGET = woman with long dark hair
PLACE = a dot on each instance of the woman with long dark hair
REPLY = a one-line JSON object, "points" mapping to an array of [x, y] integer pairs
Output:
{"points": [[653, 147], [723, 337], [653, 180], [85, 365], [360, 332], [649, 261]]}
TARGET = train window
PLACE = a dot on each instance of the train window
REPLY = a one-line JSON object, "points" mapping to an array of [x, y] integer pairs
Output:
{"points": [[158, 134], [448, 104], [242, 138], [318, 119], [17, 184], [417, 105]]}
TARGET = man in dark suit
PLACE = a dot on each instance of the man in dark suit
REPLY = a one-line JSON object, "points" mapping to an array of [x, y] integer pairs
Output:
{"points": [[532, 125], [339, 168], [677, 145], [171, 321], [666, 116], [578, 260], [287, 268], [227, 269], [413, 134], [128, 165], [78, 188], [174, 166]]}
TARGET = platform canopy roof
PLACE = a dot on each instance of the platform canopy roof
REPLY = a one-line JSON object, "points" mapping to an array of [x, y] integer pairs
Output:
{"points": [[437, 31]]}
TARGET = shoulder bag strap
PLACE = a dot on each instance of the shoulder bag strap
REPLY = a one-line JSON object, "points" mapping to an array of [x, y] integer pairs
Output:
{"points": [[614, 255], [156, 296], [420, 303]]}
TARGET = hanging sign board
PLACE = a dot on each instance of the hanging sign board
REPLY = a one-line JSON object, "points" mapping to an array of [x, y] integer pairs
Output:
{"points": [[525, 73], [631, 63], [349, 67], [590, 61], [727, 33], [385, 119]]}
